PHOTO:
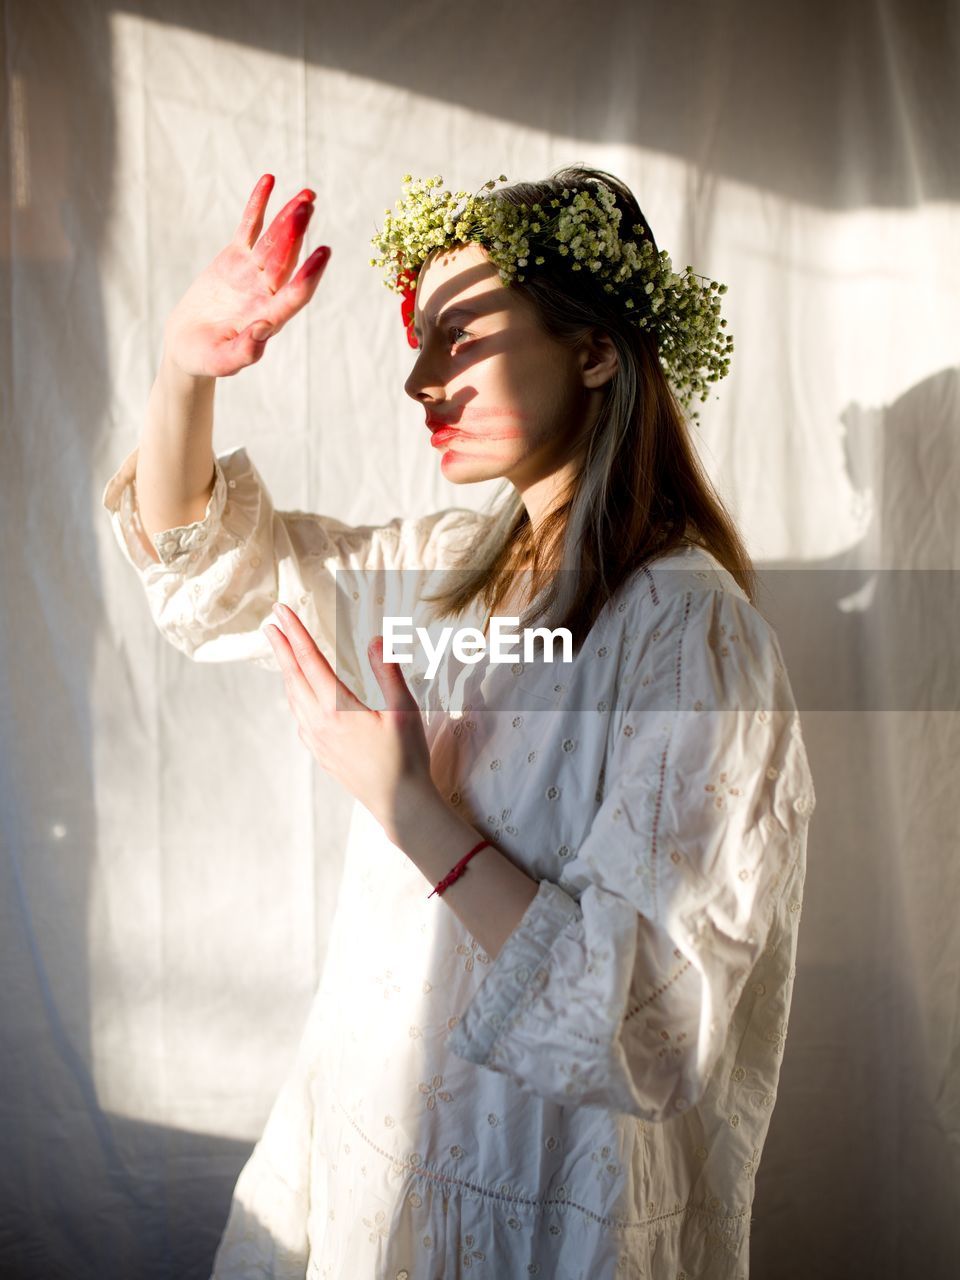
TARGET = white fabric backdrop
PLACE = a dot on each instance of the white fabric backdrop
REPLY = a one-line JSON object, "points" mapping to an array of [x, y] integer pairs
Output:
{"points": [[170, 857]]}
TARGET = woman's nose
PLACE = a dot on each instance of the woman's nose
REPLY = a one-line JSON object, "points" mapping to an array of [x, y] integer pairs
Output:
{"points": [[420, 385]]}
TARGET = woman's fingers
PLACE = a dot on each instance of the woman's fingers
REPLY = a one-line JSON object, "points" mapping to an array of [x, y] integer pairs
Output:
{"points": [[252, 219], [293, 675], [312, 269], [301, 288], [285, 304], [251, 223], [305, 662], [227, 352], [276, 251], [299, 657], [282, 258], [252, 341]]}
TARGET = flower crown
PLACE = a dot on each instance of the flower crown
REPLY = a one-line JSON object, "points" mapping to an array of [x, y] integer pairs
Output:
{"points": [[580, 225]]}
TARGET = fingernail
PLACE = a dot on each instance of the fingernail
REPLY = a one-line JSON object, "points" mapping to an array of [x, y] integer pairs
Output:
{"points": [[278, 610]]}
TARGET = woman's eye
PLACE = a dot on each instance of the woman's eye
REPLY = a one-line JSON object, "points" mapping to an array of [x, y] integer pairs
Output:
{"points": [[453, 332]]}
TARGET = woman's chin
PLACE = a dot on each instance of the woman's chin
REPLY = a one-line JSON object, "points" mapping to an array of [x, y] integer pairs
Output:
{"points": [[466, 468]]}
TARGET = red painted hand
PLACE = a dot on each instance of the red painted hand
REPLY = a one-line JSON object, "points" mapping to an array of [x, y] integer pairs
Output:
{"points": [[245, 296]]}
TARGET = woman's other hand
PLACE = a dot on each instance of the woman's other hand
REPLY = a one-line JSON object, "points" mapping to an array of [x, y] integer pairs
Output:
{"points": [[381, 757], [245, 295]]}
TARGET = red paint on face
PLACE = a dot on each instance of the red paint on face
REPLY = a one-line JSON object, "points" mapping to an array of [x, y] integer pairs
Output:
{"points": [[480, 416], [484, 437], [453, 447], [451, 453], [485, 412]]}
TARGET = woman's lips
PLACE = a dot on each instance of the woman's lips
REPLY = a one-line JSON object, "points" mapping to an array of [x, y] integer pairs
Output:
{"points": [[442, 435]]}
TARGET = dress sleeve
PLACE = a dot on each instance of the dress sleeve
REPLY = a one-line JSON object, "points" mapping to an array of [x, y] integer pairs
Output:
{"points": [[218, 578], [618, 985]]}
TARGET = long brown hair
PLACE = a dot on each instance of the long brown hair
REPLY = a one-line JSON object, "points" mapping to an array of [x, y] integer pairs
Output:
{"points": [[639, 491]]}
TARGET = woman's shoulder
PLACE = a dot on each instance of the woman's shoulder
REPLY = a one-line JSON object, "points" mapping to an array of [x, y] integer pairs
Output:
{"points": [[685, 608], [684, 592], [687, 568]]}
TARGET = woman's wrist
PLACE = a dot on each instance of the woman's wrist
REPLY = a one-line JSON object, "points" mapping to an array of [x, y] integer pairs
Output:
{"points": [[177, 382], [420, 814], [491, 896]]}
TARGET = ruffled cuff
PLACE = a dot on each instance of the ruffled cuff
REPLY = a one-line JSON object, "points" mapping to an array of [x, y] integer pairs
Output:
{"points": [[175, 547], [513, 980]]}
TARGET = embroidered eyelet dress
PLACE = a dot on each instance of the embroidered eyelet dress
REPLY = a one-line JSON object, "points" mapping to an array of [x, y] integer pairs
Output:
{"points": [[593, 1103]]}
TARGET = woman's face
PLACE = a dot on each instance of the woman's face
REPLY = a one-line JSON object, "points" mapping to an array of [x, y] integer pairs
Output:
{"points": [[515, 396]]}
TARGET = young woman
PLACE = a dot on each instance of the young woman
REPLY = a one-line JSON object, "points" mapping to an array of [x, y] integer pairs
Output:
{"points": [[548, 1035]]}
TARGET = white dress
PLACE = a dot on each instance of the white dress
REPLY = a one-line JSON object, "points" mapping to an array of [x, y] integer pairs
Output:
{"points": [[594, 1102]]}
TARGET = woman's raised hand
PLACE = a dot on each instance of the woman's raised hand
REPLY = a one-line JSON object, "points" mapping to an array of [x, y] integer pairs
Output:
{"points": [[223, 321]]}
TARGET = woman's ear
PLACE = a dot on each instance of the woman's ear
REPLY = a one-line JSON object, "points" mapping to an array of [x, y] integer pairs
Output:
{"points": [[598, 359]]}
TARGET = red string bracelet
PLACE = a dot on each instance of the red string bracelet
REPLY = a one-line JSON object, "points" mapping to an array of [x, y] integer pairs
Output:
{"points": [[458, 870]]}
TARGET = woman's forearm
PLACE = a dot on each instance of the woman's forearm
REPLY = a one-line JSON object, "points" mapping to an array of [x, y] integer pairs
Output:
{"points": [[491, 897], [175, 462]]}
